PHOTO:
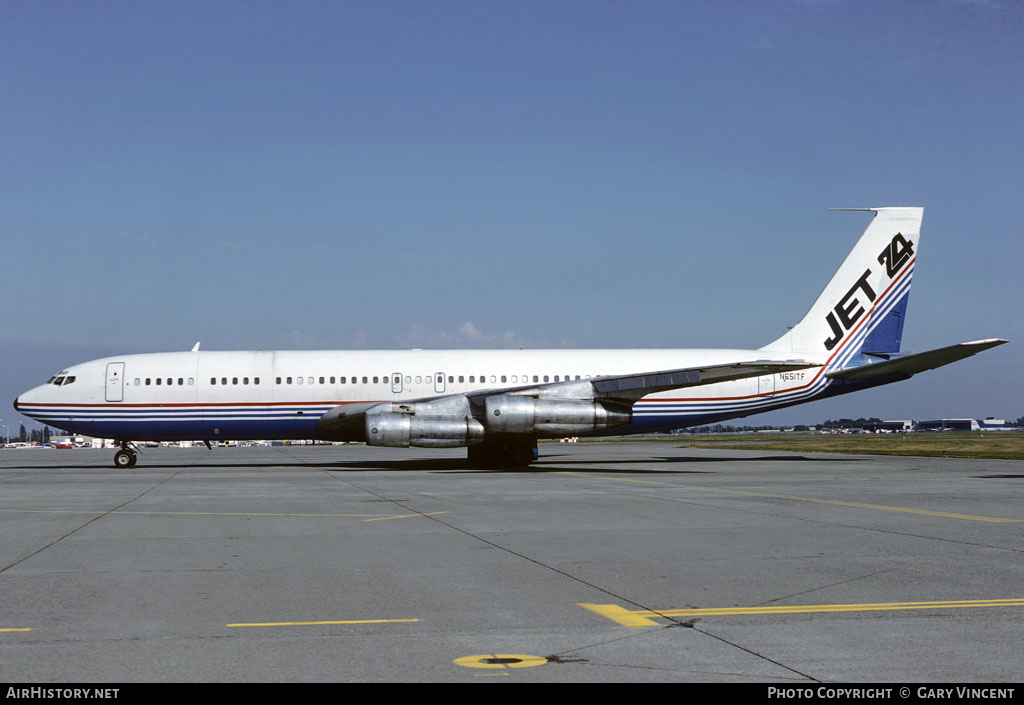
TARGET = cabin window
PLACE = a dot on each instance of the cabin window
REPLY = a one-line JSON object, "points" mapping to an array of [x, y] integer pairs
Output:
{"points": [[289, 379], [332, 380], [321, 380], [255, 380], [223, 380], [158, 381], [137, 381], [472, 379], [535, 378], [191, 381], [408, 379], [545, 378], [375, 380], [364, 380], [556, 378], [341, 380], [277, 380], [213, 380], [298, 380], [245, 380]]}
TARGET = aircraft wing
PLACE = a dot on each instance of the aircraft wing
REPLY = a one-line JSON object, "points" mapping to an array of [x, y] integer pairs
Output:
{"points": [[619, 389], [919, 362], [630, 387]]}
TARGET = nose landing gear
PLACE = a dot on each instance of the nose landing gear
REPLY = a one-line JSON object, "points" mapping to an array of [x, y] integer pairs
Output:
{"points": [[126, 457]]}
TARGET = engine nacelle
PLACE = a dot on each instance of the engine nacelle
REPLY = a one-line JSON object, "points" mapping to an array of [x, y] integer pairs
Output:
{"points": [[404, 430], [507, 413]]}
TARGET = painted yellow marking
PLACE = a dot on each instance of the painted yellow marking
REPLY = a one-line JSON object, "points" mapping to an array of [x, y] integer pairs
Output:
{"points": [[306, 624], [405, 516], [816, 500], [638, 619], [15, 629], [627, 618], [500, 661]]}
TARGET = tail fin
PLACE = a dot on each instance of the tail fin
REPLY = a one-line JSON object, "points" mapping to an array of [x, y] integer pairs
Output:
{"points": [[864, 305]]}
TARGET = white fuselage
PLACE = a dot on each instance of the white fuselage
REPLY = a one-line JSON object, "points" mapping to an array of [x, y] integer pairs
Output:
{"points": [[212, 395]]}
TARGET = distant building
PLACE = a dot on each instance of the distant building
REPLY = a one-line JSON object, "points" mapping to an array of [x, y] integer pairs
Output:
{"points": [[988, 424], [949, 425], [890, 426]]}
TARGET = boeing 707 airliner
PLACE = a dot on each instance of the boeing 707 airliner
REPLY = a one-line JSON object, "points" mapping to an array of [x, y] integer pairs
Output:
{"points": [[498, 403]]}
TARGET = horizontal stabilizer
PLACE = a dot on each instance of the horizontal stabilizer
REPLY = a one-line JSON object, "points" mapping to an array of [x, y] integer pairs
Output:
{"points": [[919, 362]]}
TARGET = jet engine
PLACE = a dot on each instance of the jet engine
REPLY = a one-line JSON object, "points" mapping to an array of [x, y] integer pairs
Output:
{"points": [[506, 413], [403, 430]]}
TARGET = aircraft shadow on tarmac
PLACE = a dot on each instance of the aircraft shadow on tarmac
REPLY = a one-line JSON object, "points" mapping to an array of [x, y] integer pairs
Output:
{"points": [[547, 463]]}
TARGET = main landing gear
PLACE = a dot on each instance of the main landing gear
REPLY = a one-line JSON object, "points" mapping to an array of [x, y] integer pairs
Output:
{"points": [[126, 457]]}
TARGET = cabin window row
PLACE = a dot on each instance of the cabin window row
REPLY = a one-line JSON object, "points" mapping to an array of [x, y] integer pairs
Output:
{"points": [[169, 381], [385, 379], [332, 380], [427, 379]]}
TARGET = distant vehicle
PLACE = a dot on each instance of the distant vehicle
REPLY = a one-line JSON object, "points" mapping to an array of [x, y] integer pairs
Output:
{"points": [[499, 402]]}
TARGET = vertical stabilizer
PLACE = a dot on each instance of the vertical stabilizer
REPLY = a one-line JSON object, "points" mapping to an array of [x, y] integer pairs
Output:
{"points": [[864, 305]]}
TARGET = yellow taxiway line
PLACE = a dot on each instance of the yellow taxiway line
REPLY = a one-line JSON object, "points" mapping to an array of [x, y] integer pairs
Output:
{"points": [[638, 619], [306, 624]]}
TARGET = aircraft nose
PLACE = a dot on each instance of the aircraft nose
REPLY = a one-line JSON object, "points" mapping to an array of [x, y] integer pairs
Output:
{"points": [[15, 403]]}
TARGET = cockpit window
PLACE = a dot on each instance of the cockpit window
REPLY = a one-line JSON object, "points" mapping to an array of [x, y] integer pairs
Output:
{"points": [[69, 380], [59, 381], [50, 381]]}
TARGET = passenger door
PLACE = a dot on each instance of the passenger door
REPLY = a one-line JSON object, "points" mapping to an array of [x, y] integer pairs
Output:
{"points": [[115, 381]]}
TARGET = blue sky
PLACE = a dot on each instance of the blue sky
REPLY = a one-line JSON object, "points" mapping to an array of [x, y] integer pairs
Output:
{"points": [[504, 174]]}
